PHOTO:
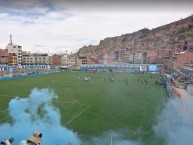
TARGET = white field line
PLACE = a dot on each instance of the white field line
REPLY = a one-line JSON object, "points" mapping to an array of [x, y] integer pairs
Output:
{"points": [[3, 95], [69, 102], [4, 118], [78, 115], [3, 111], [18, 95]]}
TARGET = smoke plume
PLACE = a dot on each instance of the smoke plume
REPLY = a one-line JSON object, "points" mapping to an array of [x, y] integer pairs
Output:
{"points": [[175, 124], [37, 113]]}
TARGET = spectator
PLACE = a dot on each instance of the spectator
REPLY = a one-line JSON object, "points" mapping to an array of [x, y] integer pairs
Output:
{"points": [[35, 139], [23, 142], [8, 142]]}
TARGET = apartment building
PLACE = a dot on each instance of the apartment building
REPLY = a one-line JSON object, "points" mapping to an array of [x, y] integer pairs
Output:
{"points": [[119, 55], [17, 49], [72, 60], [57, 59], [28, 58], [4, 56], [65, 60], [82, 60], [41, 59], [50, 58], [138, 58], [12, 59]]}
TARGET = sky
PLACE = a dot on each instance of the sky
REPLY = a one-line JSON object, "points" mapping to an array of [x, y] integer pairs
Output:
{"points": [[56, 26]]}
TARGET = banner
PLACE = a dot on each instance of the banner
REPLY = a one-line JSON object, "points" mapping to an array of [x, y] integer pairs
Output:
{"points": [[152, 67], [143, 68], [114, 67], [10, 68]]}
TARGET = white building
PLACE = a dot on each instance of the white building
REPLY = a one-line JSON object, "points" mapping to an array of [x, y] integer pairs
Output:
{"points": [[138, 58], [28, 58], [16, 49], [41, 59], [65, 61]]}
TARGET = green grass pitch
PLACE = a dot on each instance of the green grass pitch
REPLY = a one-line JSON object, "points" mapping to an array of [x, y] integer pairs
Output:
{"points": [[93, 107]]}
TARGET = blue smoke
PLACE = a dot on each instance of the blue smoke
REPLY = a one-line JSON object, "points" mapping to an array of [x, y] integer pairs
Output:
{"points": [[37, 113]]}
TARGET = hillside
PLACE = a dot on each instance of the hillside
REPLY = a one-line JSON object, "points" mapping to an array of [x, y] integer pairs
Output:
{"points": [[160, 39]]}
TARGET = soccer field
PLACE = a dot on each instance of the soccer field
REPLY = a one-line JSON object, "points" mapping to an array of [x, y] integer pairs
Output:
{"points": [[94, 107]]}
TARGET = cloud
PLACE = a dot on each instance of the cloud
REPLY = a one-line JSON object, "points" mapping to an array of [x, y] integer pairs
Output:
{"points": [[23, 7]]}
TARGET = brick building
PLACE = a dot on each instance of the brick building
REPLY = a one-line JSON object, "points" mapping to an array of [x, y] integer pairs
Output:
{"points": [[4, 56], [13, 59], [57, 59], [183, 59]]}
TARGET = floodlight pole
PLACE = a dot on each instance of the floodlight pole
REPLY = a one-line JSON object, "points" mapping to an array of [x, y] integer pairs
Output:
{"points": [[111, 140]]}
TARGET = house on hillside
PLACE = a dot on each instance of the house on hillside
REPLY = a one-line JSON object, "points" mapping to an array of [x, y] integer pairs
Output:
{"points": [[184, 59], [151, 56]]}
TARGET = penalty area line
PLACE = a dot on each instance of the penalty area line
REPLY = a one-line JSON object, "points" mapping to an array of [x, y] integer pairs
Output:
{"points": [[77, 115]]}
